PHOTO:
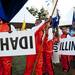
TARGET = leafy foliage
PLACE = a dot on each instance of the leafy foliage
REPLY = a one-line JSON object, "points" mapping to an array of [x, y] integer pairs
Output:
{"points": [[35, 12]]}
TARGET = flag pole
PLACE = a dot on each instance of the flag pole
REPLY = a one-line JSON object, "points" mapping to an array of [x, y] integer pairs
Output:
{"points": [[39, 53], [54, 7], [23, 24], [52, 15]]}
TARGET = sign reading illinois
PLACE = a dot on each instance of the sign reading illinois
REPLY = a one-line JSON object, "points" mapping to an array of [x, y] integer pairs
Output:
{"points": [[67, 46]]}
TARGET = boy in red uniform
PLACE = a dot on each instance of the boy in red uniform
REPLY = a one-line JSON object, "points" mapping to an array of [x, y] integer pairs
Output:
{"points": [[5, 62], [30, 59], [65, 65], [47, 52]]}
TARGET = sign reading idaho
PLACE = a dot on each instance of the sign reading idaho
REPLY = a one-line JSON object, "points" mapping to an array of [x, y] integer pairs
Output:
{"points": [[67, 46], [17, 43]]}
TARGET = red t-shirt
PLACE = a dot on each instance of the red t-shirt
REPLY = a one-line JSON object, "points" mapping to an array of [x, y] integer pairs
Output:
{"points": [[4, 28]]}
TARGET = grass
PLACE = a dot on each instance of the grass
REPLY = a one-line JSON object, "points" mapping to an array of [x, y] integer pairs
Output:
{"points": [[18, 67]]}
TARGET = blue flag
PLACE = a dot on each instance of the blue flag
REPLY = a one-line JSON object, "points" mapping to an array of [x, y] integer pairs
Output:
{"points": [[55, 20], [2, 15], [72, 28], [73, 21]]}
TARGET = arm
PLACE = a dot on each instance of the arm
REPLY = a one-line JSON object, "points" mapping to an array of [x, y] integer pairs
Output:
{"points": [[42, 25], [45, 26], [37, 27]]}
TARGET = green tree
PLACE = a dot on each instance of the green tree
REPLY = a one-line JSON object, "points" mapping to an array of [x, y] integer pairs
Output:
{"points": [[35, 12], [44, 13], [32, 10]]}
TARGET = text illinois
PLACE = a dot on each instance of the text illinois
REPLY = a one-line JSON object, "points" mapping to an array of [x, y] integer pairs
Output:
{"points": [[67, 46]]}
